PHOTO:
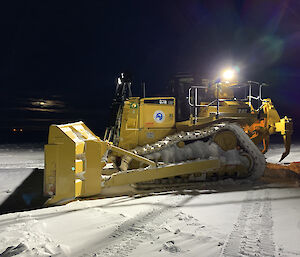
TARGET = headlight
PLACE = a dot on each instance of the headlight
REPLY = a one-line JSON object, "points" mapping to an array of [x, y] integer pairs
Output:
{"points": [[228, 75]]}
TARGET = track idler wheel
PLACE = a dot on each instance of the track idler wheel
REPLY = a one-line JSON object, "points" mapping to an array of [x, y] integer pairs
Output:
{"points": [[226, 140]]}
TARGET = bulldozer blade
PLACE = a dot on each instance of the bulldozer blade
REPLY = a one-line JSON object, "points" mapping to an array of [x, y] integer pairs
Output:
{"points": [[73, 163]]}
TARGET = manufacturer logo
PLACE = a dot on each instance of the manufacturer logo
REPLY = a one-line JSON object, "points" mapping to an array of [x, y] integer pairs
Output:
{"points": [[159, 116]]}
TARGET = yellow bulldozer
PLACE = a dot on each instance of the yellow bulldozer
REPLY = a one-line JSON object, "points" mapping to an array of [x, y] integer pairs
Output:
{"points": [[200, 132]]}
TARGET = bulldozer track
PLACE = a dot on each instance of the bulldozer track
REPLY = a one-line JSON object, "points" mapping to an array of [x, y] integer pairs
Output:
{"points": [[244, 141], [252, 234]]}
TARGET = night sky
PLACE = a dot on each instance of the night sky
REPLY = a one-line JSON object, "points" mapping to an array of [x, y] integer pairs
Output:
{"points": [[59, 59]]}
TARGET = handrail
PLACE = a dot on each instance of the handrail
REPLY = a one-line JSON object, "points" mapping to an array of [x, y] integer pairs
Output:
{"points": [[217, 101]]}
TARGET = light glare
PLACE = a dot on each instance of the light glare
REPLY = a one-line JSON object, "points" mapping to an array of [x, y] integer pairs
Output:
{"points": [[228, 74]]}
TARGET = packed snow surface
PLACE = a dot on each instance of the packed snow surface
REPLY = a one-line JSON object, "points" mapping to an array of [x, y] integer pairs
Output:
{"points": [[224, 219]]}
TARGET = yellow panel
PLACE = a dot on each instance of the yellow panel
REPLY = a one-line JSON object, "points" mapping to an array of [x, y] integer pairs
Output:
{"points": [[139, 126], [79, 147], [157, 115], [150, 136], [82, 132], [94, 150], [132, 114], [68, 131], [60, 160], [231, 103], [81, 128], [78, 187], [78, 166], [129, 124], [50, 169]]}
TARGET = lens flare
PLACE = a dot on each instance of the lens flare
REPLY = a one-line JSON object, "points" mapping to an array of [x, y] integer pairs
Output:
{"points": [[228, 74]]}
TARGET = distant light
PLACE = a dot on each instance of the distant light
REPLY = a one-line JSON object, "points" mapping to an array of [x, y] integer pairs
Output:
{"points": [[42, 103], [17, 130], [119, 81], [228, 74]]}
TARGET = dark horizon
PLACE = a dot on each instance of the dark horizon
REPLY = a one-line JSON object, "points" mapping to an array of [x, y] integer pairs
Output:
{"points": [[60, 59]]}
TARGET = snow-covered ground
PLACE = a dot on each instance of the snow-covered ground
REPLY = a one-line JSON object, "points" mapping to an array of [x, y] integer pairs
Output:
{"points": [[228, 219], [275, 151]]}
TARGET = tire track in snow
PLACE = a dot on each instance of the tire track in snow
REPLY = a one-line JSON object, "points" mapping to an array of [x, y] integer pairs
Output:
{"points": [[252, 234], [136, 230]]}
